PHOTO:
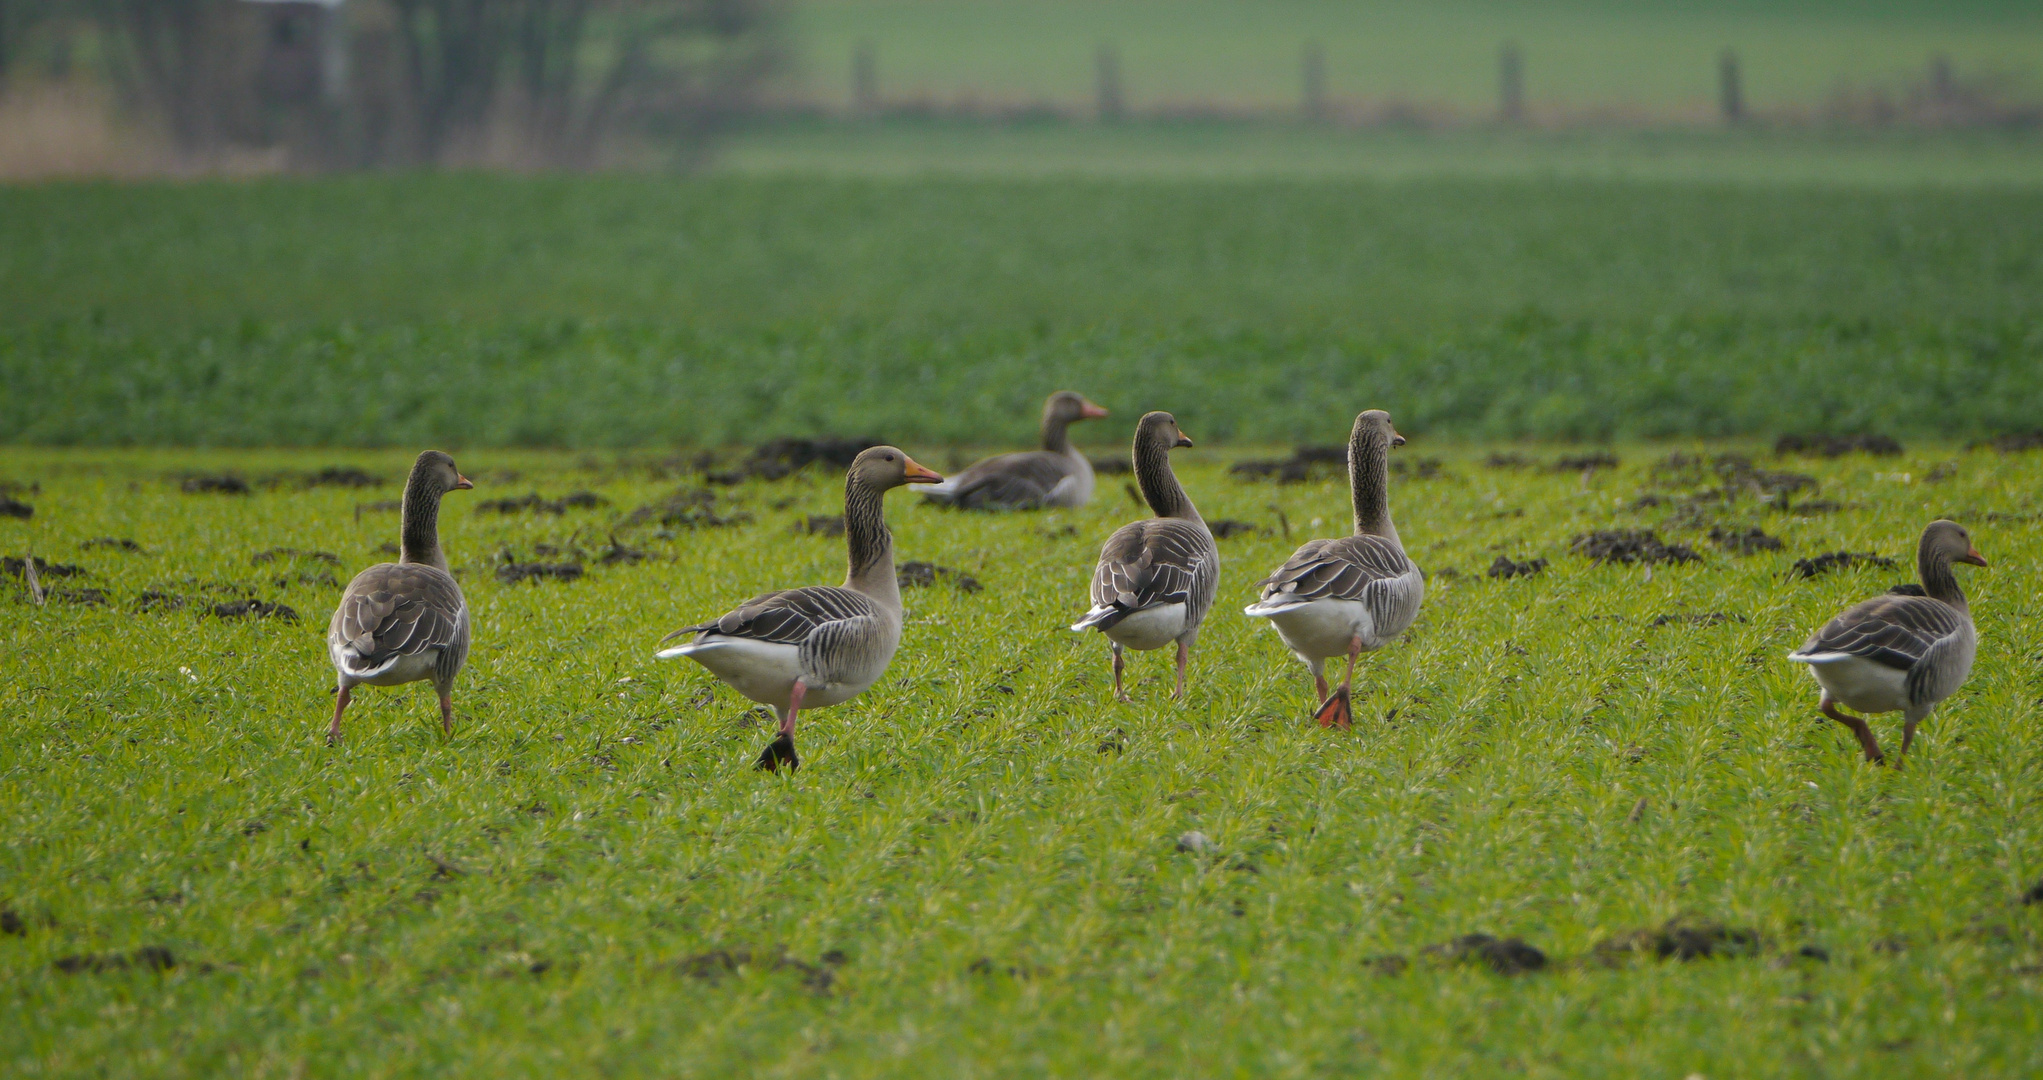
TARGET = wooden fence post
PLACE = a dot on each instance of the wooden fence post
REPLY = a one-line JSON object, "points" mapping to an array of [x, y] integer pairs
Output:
{"points": [[865, 80], [1511, 84], [1112, 105], [1730, 88], [1314, 64]]}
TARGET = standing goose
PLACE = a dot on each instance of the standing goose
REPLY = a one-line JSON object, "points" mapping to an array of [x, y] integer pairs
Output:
{"points": [[1156, 577], [1899, 652], [405, 621], [1341, 597], [1056, 475], [823, 644]]}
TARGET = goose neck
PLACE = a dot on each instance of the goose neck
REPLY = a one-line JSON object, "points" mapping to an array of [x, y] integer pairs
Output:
{"points": [[1056, 434], [869, 544], [419, 527], [1369, 485], [1160, 488], [1938, 581]]}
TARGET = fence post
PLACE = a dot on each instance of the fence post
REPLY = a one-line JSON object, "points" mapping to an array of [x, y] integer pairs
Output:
{"points": [[1314, 71], [1107, 76], [1730, 88], [865, 80], [1511, 84]]}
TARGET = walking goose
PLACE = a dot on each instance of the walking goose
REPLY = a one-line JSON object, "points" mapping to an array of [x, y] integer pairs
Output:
{"points": [[1056, 475], [1356, 593], [405, 621], [823, 644], [1156, 577], [1899, 652]]}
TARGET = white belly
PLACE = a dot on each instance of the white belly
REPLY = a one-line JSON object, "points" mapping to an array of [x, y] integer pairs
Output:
{"points": [[408, 669], [1150, 628], [1861, 684], [765, 671], [1325, 628]]}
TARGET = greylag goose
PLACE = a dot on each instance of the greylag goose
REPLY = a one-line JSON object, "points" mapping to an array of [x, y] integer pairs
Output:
{"points": [[405, 621], [1899, 652], [1356, 593], [1056, 475], [823, 644], [1156, 577]]}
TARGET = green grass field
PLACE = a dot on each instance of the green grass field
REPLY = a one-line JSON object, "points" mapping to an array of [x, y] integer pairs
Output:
{"points": [[982, 852], [632, 311], [1582, 56]]}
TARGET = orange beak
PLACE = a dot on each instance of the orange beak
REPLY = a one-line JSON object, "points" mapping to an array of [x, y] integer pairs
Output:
{"points": [[1184, 439], [916, 474], [462, 483], [1088, 411], [1974, 557], [1396, 439]]}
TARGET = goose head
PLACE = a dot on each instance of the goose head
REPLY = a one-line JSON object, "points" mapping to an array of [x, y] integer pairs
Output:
{"points": [[1374, 426], [1160, 429], [884, 467], [1068, 406], [1948, 542], [434, 472]]}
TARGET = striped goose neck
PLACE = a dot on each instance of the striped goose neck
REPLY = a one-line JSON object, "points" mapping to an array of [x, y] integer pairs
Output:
{"points": [[1160, 488], [870, 545], [1369, 483], [1934, 567], [419, 527], [1056, 433]]}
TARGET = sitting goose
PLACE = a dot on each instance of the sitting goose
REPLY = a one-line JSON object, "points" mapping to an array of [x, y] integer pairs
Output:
{"points": [[405, 621], [1056, 475], [1899, 652], [823, 644], [1156, 577], [1341, 597]]}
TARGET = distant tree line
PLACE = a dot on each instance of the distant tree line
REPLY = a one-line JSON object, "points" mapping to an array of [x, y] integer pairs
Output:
{"points": [[364, 83]]}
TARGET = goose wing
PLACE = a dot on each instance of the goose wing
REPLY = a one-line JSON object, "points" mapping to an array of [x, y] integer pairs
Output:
{"points": [[788, 616], [394, 610], [1893, 631], [1348, 568], [1151, 563]]}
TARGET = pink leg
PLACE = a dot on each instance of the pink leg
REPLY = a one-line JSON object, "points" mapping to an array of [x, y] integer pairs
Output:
{"points": [[447, 713], [1319, 686], [1338, 710], [1183, 652], [781, 751], [1119, 694], [340, 705], [1858, 727]]}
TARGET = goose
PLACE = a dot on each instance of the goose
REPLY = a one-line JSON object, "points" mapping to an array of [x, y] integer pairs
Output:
{"points": [[1350, 595], [1156, 577], [405, 621], [822, 644], [1056, 475], [1900, 652]]}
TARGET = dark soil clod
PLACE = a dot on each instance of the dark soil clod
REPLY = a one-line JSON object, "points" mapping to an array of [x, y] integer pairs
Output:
{"points": [[687, 508], [1743, 541], [922, 575], [1507, 461], [2035, 893], [1505, 956], [11, 508], [43, 568], [81, 597], [1814, 952], [822, 525], [153, 957], [1602, 459], [1506, 567], [510, 571], [1837, 560], [713, 965], [11, 923], [214, 485], [117, 543], [343, 476], [535, 503], [777, 459], [2016, 442], [235, 609], [1837, 445], [1305, 463], [1229, 528], [1680, 939], [1631, 546], [1388, 965]]}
